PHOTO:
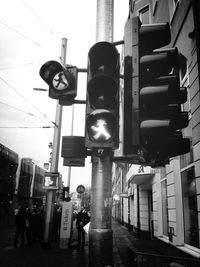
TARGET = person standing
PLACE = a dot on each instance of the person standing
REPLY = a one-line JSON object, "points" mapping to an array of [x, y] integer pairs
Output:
{"points": [[81, 220], [20, 224], [29, 223]]}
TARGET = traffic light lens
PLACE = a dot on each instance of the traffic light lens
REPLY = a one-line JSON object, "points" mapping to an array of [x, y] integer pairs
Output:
{"points": [[103, 90], [101, 126], [60, 82]]}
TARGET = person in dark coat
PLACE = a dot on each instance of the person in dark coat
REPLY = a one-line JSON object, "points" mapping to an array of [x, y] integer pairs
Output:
{"points": [[81, 221], [29, 223], [20, 224], [56, 224]]}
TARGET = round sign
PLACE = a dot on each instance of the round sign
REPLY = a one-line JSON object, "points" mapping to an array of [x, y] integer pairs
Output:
{"points": [[80, 189]]}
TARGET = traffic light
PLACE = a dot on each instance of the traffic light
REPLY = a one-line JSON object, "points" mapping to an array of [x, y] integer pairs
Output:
{"points": [[102, 100], [62, 81], [152, 95], [65, 194]]}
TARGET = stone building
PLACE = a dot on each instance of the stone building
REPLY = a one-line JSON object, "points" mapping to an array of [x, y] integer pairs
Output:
{"points": [[164, 203]]}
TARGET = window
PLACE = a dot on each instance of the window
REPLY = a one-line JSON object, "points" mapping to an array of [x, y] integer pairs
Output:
{"points": [[176, 2], [144, 15], [190, 214], [164, 207], [154, 6], [186, 159], [173, 6]]}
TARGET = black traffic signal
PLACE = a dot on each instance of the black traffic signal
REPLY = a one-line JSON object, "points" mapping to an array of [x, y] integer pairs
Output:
{"points": [[62, 81], [152, 95], [102, 100], [65, 194]]}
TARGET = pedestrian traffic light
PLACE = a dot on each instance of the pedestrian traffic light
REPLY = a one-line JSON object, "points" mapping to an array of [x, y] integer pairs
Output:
{"points": [[62, 81], [102, 100], [152, 95]]}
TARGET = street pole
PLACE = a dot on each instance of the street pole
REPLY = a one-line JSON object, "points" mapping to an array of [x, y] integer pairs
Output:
{"points": [[100, 234], [54, 163], [69, 168]]}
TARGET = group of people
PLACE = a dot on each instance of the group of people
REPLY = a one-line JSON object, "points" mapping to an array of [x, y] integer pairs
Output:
{"points": [[29, 226]]}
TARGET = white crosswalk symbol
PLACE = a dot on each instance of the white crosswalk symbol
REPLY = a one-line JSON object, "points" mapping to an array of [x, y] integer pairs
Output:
{"points": [[100, 130]]}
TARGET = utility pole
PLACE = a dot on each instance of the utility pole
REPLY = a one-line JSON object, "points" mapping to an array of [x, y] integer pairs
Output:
{"points": [[100, 234], [54, 164], [69, 168]]}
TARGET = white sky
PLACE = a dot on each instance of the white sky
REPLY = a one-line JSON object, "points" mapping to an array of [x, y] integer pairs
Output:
{"points": [[31, 33]]}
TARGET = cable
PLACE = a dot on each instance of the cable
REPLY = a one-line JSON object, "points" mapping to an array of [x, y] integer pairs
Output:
{"points": [[26, 100], [26, 127], [21, 34], [40, 20], [17, 66], [28, 113]]}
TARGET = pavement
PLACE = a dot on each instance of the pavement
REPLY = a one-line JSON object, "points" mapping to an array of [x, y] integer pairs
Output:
{"points": [[35, 256]]}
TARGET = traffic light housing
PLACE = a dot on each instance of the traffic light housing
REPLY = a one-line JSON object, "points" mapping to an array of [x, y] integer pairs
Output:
{"points": [[65, 194], [152, 95], [62, 81], [102, 99]]}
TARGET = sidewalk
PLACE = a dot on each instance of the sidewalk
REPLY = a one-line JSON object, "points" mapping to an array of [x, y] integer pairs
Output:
{"points": [[34, 256]]}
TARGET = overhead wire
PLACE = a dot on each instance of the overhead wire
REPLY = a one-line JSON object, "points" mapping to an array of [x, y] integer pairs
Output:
{"points": [[18, 109], [29, 39], [27, 101], [26, 127], [17, 66], [40, 20], [18, 32]]}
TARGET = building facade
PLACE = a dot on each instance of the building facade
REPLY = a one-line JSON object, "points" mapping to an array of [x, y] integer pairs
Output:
{"points": [[164, 203]]}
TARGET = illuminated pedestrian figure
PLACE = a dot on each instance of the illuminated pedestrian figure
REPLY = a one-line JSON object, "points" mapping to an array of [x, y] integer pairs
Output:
{"points": [[61, 81], [100, 130]]}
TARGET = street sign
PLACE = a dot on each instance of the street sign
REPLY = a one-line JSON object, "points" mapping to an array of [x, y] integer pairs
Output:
{"points": [[66, 223], [80, 189]]}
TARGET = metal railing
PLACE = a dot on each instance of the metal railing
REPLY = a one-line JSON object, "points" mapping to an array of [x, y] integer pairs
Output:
{"points": [[143, 259]]}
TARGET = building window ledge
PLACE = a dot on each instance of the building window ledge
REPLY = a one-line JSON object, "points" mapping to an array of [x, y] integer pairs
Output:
{"points": [[164, 239], [195, 252]]}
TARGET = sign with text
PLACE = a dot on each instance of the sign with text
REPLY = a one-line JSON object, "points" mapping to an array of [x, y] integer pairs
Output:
{"points": [[66, 224]]}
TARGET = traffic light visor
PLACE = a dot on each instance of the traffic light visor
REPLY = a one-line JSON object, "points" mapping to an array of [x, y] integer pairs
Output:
{"points": [[103, 58], [56, 76], [102, 92], [153, 36]]}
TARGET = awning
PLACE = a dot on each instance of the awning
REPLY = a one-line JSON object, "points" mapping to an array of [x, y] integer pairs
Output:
{"points": [[141, 178]]}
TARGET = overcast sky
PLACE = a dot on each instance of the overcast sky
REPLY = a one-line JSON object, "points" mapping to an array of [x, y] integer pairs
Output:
{"points": [[31, 33]]}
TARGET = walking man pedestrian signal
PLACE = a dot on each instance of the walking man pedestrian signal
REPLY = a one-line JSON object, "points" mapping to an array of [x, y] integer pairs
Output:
{"points": [[100, 130], [62, 81], [102, 100]]}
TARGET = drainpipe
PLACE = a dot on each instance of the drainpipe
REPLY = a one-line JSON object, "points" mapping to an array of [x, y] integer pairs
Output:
{"points": [[138, 212]]}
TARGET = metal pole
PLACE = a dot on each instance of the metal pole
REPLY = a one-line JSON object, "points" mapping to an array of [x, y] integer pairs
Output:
{"points": [[104, 22], [69, 168], [54, 164], [100, 234]]}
